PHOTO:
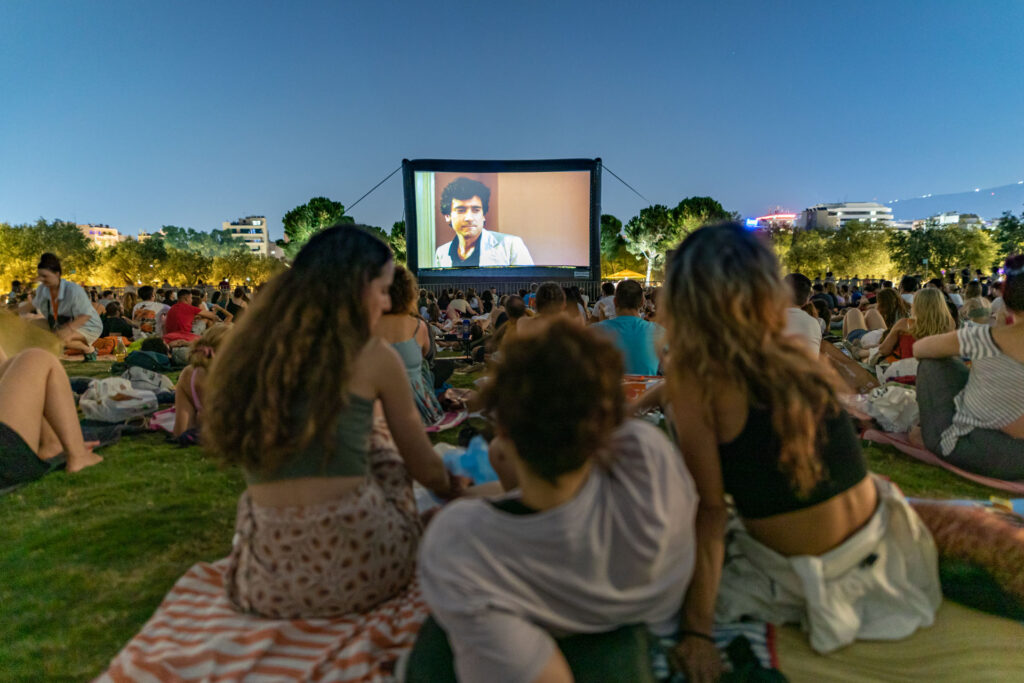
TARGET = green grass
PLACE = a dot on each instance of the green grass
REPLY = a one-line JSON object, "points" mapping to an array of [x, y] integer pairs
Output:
{"points": [[88, 557]]}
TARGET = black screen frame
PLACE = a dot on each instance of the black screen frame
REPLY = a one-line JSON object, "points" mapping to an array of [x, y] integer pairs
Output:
{"points": [[428, 275]]}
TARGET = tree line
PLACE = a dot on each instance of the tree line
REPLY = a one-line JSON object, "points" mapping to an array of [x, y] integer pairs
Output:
{"points": [[184, 256]]}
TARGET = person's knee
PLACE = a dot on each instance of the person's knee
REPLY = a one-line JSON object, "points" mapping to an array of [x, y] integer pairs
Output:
{"points": [[38, 357]]}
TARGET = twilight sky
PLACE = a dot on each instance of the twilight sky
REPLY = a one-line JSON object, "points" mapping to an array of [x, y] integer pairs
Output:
{"points": [[139, 114]]}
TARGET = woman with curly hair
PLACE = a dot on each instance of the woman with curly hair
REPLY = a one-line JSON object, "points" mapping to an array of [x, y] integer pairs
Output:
{"points": [[328, 524], [595, 532], [409, 335], [814, 538]]}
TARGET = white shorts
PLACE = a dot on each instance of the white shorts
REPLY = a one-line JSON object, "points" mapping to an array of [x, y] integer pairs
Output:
{"points": [[882, 583]]}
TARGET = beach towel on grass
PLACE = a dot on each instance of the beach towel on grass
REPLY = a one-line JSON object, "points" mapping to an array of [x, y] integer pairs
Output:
{"points": [[902, 443], [963, 645], [195, 635]]}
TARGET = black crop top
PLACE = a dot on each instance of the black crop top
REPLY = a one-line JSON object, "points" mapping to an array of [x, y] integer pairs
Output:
{"points": [[751, 474]]}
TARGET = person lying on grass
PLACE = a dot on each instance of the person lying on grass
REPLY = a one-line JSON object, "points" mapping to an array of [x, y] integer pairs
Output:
{"points": [[191, 386], [596, 531], [328, 524], [38, 418], [814, 539]]}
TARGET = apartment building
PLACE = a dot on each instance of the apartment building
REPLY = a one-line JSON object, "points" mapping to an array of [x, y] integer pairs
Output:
{"points": [[835, 216], [102, 235], [253, 231]]}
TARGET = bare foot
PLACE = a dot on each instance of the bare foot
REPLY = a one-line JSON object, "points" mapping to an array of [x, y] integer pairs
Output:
{"points": [[916, 437], [86, 459]]}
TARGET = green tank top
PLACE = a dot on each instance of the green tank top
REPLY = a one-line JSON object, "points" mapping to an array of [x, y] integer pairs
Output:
{"points": [[348, 459]]}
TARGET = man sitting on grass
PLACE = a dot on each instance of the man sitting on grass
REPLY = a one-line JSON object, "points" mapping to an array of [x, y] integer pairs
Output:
{"points": [[597, 533], [179, 319], [635, 337]]}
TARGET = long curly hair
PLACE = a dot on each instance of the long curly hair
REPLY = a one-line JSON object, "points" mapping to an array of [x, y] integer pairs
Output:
{"points": [[724, 307], [279, 382]]}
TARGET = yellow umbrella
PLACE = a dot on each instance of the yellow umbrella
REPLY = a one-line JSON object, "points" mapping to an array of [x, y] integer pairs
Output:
{"points": [[625, 275]]}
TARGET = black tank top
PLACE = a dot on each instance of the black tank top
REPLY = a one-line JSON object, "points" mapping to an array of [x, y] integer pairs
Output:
{"points": [[751, 474]]}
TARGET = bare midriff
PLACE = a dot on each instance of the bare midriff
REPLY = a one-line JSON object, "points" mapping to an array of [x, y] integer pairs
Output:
{"points": [[817, 529], [303, 491]]}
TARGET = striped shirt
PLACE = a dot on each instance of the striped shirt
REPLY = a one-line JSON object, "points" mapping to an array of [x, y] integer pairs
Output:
{"points": [[994, 395]]}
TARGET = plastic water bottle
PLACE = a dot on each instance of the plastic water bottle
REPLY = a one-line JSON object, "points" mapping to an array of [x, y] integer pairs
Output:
{"points": [[465, 328], [120, 352]]}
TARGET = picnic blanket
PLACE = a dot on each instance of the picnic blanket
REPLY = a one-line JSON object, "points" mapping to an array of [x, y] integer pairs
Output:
{"points": [[902, 443], [452, 418], [963, 645], [195, 635]]}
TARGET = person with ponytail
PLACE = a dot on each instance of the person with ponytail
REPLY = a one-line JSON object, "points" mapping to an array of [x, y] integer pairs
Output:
{"points": [[975, 418], [320, 417], [814, 538]]}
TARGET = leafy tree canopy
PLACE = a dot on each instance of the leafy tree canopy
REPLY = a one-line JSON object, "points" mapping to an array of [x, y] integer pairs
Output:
{"points": [[302, 222], [212, 244], [1009, 235]]}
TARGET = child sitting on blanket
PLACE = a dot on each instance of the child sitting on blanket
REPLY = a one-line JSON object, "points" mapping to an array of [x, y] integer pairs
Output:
{"points": [[975, 419], [328, 524], [814, 539], [596, 531], [191, 386]]}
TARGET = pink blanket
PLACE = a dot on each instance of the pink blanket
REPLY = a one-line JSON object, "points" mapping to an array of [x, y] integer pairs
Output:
{"points": [[901, 442], [195, 635]]}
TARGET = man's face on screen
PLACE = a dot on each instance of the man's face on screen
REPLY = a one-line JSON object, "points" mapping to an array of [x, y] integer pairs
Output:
{"points": [[467, 217]]}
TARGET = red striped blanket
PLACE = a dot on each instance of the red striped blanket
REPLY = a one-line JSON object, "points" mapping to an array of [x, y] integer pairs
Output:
{"points": [[195, 635]]}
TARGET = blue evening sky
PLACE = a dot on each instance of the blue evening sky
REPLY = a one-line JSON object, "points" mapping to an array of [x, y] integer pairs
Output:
{"points": [[144, 113]]}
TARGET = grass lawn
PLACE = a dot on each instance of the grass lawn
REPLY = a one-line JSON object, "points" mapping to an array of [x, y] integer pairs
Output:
{"points": [[89, 557]]}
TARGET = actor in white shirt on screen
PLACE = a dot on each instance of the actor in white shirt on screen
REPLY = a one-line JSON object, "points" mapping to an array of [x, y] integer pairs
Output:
{"points": [[464, 204]]}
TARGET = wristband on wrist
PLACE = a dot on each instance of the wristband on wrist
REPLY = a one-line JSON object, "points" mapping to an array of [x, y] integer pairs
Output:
{"points": [[696, 634]]}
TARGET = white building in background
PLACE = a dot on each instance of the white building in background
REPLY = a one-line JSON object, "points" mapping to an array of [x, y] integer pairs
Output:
{"points": [[253, 231], [956, 218], [835, 216], [102, 235]]}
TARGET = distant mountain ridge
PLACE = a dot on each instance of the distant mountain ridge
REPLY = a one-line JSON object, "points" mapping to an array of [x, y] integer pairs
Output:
{"points": [[988, 203]]}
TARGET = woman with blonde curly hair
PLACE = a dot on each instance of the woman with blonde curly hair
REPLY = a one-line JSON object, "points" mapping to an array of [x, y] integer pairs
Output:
{"points": [[814, 538], [328, 524], [188, 392]]}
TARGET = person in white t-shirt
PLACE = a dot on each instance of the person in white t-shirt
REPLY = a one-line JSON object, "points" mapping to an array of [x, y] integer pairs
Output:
{"points": [[149, 314], [596, 530], [604, 309], [799, 323]]}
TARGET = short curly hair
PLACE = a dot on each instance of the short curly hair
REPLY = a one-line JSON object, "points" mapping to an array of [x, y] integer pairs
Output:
{"points": [[464, 188], [533, 379], [403, 291]]}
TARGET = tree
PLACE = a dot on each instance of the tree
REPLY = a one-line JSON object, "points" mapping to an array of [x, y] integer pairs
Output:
{"points": [[611, 234], [696, 212], [131, 262], [302, 222], [1009, 235], [808, 252], [860, 248], [650, 234], [184, 267], [22, 245], [213, 244], [934, 248], [396, 240]]}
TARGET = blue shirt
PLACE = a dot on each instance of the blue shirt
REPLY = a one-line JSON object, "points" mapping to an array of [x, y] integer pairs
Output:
{"points": [[638, 341]]}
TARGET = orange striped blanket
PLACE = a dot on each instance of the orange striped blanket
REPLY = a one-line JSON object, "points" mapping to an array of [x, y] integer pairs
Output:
{"points": [[195, 635]]}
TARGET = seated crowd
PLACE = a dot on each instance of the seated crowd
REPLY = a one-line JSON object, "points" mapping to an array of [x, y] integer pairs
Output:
{"points": [[761, 505]]}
